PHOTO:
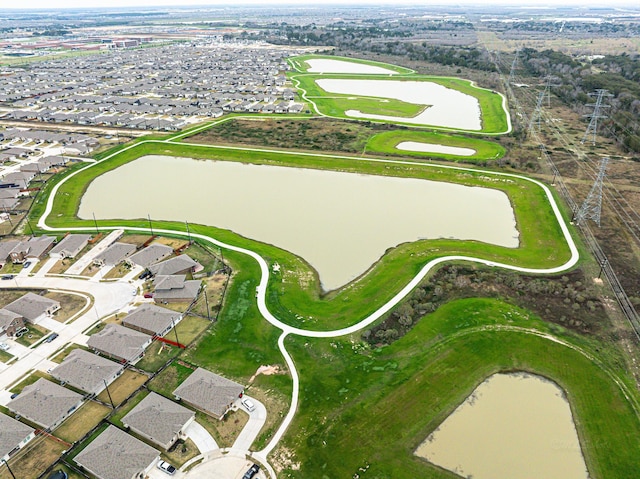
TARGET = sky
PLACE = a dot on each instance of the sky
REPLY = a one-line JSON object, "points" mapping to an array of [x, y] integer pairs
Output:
{"points": [[53, 4]]}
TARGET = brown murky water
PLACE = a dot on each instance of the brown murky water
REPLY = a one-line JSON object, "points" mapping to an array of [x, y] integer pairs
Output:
{"points": [[341, 223], [513, 426]]}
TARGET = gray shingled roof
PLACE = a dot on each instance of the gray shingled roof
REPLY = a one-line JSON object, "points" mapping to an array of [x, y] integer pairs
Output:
{"points": [[70, 244], [151, 318], [44, 402], [38, 245], [151, 255], [158, 418], [166, 282], [6, 247], [114, 454], [12, 433], [173, 265], [188, 291], [31, 306], [85, 370], [115, 253], [6, 318], [119, 341], [208, 391]]}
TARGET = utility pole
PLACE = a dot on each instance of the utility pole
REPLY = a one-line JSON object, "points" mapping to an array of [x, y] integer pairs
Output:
{"points": [[95, 222], [175, 330], [188, 232], [10, 471], [150, 226], [206, 301], [106, 386], [592, 128], [30, 227], [592, 206]]}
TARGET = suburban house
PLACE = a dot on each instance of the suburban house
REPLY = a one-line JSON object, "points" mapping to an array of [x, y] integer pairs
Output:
{"points": [[13, 436], [182, 264], [114, 254], [87, 371], [33, 307], [150, 255], [45, 403], [120, 343], [33, 248], [70, 246], [159, 419], [208, 392], [10, 322], [114, 454], [5, 249], [175, 289], [152, 319]]}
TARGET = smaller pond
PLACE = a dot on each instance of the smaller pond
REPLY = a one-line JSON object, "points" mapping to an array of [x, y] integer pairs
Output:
{"points": [[444, 106], [513, 426], [327, 65], [434, 148]]}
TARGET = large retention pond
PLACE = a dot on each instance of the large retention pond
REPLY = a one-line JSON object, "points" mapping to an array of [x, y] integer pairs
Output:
{"points": [[341, 223], [513, 426], [444, 106]]}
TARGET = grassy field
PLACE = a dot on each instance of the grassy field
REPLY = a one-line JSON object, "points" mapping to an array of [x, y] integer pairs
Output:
{"points": [[299, 63], [34, 458], [82, 421], [388, 141], [493, 116], [377, 405], [296, 291], [123, 387]]}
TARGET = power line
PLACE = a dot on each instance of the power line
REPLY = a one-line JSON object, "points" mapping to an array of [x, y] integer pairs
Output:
{"points": [[592, 206], [600, 95]]}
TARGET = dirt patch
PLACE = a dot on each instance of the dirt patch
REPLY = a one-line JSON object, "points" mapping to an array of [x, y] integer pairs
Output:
{"points": [[284, 458], [267, 371]]}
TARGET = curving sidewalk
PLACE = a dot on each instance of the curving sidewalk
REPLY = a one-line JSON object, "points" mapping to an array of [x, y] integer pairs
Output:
{"points": [[264, 269]]}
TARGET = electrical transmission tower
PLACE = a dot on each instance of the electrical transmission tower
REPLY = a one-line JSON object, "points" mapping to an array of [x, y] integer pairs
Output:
{"points": [[600, 95], [537, 113], [592, 206], [514, 64]]}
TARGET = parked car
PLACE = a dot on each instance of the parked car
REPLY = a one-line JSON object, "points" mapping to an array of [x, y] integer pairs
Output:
{"points": [[253, 470], [4, 347], [14, 395], [148, 295], [8, 276], [26, 264], [51, 337], [166, 467], [248, 403]]}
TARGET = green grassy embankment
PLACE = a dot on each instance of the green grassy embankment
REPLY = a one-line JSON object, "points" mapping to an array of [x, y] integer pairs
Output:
{"points": [[363, 407]]}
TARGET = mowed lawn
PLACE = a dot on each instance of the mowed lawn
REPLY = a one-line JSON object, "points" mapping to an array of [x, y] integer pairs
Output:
{"points": [[387, 143], [82, 421], [123, 387], [32, 460], [362, 407]]}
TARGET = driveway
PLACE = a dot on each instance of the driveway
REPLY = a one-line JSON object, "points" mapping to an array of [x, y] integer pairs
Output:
{"points": [[201, 437], [257, 418]]}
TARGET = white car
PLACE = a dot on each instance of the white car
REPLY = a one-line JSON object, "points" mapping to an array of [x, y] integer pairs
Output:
{"points": [[166, 467], [248, 403]]}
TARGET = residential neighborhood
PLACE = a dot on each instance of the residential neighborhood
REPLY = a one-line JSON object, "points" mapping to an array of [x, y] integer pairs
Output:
{"points": [[105, 351]]}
